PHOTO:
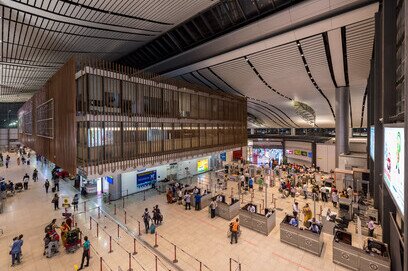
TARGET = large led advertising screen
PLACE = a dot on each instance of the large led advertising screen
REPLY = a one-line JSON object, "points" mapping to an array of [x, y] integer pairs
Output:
{"points": [[372, 142], [394, 164], [202, 165]]}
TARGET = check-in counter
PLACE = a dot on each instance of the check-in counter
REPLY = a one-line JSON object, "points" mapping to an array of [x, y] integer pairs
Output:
{"points": [[205, 200], [301, 238], [257, 222], [163, 185], [227, 211], [358, 259]]}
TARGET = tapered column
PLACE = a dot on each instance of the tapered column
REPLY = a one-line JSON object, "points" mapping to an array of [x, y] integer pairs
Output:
{"points": [[115, 188], [342, 121]]}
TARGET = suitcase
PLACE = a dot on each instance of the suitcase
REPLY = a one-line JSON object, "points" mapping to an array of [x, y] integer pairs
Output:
{"points": [[152, 228], [53, 189]]}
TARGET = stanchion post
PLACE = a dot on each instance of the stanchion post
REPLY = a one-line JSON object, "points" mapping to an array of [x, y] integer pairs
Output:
{"points": [[114, 209], [99, 212], [134, 246], [175, 254], [100, 263], [155, 239], [118, 231], [97, 229], [85, 206], [109, 198], [230, 264], [90, 223], [110, 244], [144, 195], [155, 259], [123, 202], [125, 217], [201, 266], [130, 262], [138, 223]]}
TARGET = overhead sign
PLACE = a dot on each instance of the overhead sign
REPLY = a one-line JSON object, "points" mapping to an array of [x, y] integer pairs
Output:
{"points": [[223, 156]]}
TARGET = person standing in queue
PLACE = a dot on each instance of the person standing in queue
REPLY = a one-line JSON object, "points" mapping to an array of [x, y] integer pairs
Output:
{"points": [[75, 201], [85, 253], [187, 199], [146, 219], [35, 175], [46, 185], [234, 230], [295, 208], [197, 199], [213, 207]]}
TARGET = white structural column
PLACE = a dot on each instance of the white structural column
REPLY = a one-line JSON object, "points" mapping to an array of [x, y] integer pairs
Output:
{"points": [[342, 121], [115, 188]]}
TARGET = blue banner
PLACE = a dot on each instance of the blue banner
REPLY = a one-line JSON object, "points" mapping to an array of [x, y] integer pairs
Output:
{"points": [[223, 156], [145, 179]]}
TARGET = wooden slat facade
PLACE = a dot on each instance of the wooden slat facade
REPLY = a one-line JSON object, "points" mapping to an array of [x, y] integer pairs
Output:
{"points": [[60, 145], [126, 118]]}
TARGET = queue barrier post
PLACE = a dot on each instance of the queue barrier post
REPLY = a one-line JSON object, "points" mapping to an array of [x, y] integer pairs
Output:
{"points": [[123, 202], [110, 244], [85, 206], [118, 231], [97, 229], [175, 254], [230, 264], [144, 195], [239, 266], [99, 212], [140, 233], [100, 263], [130, 262], [155, 239], [134, 246], [90, 223], [125, 217], [201, 266], [114, 209], [155, 260]]}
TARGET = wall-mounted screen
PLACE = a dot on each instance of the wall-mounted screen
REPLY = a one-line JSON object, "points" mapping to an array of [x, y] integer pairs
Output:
{"points": [[145, 179], [394, 164], [202, 165], [372, 142], [109, 179]]}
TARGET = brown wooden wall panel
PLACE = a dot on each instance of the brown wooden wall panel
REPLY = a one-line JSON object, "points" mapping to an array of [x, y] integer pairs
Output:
{"points": [[61, 147]]}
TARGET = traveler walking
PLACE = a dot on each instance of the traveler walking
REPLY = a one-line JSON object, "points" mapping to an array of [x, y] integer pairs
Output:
{"points": [[26, 178], [146, 219], [35, 175], [56, 183], [46, 185], [335, 198], [234, 227], [75, 202], [55, 200], [15, 251], [85, 253]]}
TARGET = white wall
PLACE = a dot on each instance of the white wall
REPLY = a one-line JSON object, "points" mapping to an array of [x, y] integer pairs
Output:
{"points": [[297, 145], [192, 166], [353, 160], [129, 178], [326, 157]]}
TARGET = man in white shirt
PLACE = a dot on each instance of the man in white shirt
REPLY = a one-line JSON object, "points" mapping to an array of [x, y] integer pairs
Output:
{"points": [[295, 207], [305, 190]]}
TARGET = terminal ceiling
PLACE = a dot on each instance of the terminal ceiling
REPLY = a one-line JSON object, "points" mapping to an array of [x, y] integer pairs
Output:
{"points": [[304, 64]]}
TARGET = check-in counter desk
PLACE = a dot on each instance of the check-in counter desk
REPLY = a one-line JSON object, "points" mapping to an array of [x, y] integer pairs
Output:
{"points": [[227, 211], [206, 200], [162, 186], [301, 238], [256, 221], [358, 259]]}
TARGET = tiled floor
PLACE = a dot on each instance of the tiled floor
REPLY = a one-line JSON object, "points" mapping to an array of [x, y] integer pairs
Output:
{"points": [[197, 237]]}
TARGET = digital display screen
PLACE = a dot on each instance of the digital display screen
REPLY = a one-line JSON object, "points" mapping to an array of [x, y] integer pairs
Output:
{"points": [[202, 165], [145, 179], [394, 164], [372, 142], [109, 179]]}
